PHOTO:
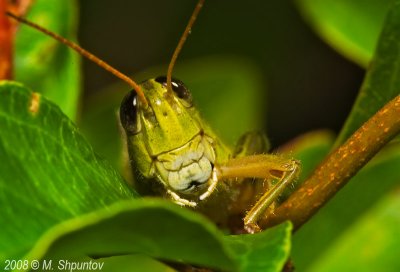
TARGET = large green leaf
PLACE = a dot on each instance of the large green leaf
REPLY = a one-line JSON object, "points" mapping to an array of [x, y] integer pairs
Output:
{"points": [[372, 244], [265, 251], [224, 89], [383, 77], [163, 230], [49, 173], [128, 263], [351, 27], [368, 186], [44, 64]]}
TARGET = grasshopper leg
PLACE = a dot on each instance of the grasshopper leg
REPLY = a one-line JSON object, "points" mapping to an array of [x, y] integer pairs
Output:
{"points": [[264, 166], [252, 217], [180, 201]]}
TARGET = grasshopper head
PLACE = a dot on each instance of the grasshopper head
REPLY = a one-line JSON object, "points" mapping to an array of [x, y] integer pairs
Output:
{"points": [[166, 138]]}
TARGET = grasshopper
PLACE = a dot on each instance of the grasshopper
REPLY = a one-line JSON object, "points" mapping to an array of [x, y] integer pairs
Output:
{"points": [[175, 154]]}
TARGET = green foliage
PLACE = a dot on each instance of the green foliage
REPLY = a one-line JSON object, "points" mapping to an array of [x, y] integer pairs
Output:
{"points": [[351, 27], [49, 173], [369, 245], [61, 200], [128, 263], [40, 57], [162, 230], [383, 76]]}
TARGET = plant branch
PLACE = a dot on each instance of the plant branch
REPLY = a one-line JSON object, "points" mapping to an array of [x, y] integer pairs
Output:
{"points": [[337, 169]]}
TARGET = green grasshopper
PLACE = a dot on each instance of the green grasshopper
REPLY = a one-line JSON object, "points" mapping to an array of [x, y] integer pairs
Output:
{"points": [[176, 154]]}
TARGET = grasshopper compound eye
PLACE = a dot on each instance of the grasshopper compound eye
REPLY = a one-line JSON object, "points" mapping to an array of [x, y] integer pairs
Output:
{"points": [[179, 88], [128, 113]]}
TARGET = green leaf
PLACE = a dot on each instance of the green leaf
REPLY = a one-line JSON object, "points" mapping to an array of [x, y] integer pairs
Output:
{"points": [[46, 65], [218, 86], [163, 230], [153, 227], [351, 27], [265, 251], [372, 244], [129, 263], [380, 176], [383, 77], [49, 173]]}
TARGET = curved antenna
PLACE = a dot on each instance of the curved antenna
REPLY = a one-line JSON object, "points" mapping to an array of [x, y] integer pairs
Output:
{"points": [[181, 42], [85, 54]]}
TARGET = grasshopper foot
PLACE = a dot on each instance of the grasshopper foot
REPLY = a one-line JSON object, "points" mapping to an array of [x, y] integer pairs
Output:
{"points": [[252, 228]]}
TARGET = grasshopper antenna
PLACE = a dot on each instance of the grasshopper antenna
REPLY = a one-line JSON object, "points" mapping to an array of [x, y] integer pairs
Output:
{"points": [[85, 54], [181, 43]]}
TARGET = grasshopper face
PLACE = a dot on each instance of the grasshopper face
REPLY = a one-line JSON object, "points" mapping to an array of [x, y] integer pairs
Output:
{"points": [[167, 139]]}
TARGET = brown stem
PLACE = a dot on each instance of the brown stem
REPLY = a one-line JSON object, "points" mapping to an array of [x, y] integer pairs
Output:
{"points": [[337, 169]]}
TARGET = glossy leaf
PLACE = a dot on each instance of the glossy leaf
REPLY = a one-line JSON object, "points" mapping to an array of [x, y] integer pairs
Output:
{"points": [[46, 65], [371, 244], [265, 251], [351, 27], [383, 76], [163, 230], [128, 263], [49, 173]]}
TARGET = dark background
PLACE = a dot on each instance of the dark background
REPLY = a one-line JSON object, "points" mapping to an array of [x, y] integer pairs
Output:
{"points": [[309, 85]]}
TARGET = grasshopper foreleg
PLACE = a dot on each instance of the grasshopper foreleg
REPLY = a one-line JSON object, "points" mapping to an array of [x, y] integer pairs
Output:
{"points": [[264, 167]]}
